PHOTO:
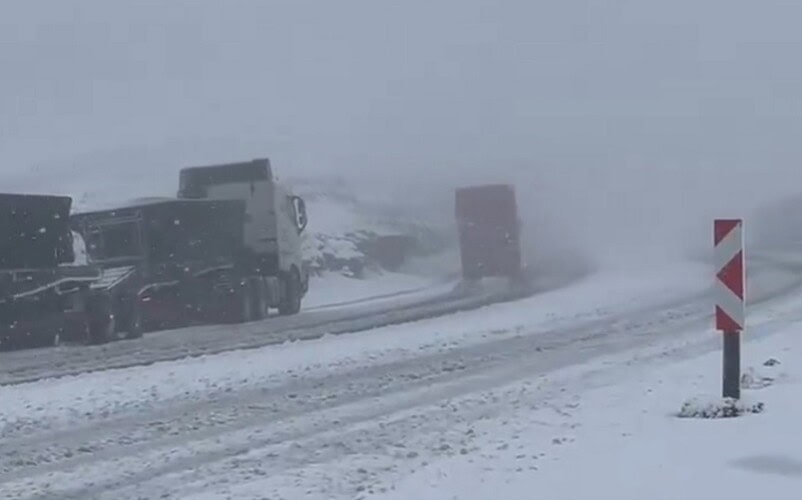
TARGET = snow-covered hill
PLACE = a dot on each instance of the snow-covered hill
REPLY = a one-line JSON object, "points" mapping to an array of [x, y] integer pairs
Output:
{"points": [[344, 228]]}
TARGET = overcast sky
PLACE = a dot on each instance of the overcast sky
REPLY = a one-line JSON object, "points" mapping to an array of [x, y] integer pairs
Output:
{"points": [[606, 113]]}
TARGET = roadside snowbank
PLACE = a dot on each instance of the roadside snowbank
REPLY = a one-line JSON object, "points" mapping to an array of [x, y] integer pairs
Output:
{"points": [[625, 440], [51, 403], [335, 290], [344, 224]]}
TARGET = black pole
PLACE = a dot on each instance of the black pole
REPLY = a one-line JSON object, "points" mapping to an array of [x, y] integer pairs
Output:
{"points": [[732, 365]]}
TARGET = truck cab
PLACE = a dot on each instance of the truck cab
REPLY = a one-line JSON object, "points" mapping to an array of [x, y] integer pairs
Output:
{"points": [[274, 220]]}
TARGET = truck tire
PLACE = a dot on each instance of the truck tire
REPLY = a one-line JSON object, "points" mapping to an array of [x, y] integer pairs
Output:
{"points": [[134, 329], [258, 300], [55, 340], [101, 319], [241, 309], [291, 299]]}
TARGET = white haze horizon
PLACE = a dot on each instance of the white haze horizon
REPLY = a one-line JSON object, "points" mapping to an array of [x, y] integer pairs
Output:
{"points": [[626, 126]]}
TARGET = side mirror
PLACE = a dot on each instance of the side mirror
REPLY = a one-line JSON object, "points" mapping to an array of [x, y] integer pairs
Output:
{"points": [[300, 213]]}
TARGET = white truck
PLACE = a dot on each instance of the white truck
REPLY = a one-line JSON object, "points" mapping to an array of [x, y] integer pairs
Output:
{"points": [[274, 222]]}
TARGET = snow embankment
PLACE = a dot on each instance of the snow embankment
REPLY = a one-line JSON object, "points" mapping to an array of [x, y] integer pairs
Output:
{"points": [[335, 290], [345, 228], [613, 429], [79, 399]]}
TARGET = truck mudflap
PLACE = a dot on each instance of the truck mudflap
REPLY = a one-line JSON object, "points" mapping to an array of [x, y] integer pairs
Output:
{"points": [[305, 278], [164, 307]]}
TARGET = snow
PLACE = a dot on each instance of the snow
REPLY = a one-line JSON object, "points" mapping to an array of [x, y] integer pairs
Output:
{"points": [[62, 402], [335, 290], [338, 225], [709, 408], [337, 216], [399, 412], [332, 224], [617, 433], [79, 250]]}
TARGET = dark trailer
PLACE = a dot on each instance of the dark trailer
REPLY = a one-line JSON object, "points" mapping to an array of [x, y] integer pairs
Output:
{"points": [[43, 296], [178, 260], [35, 231]]}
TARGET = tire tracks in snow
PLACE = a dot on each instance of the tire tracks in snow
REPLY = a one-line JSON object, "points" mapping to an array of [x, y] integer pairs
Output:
{"points": [[374, 392], [35, 365], [273, 431]]}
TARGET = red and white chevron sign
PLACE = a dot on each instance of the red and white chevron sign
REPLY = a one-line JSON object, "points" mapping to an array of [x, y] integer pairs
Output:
{"points": [[729, 258]]}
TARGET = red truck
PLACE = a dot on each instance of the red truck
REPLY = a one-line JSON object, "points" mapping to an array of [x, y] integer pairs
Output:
{"points": [[489, 231]]}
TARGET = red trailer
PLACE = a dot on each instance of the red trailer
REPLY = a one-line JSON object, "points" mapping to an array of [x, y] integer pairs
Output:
{"points": [[489, 231]]}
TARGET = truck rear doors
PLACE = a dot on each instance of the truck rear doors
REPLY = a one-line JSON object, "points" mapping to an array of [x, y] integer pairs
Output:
{"points": [[489, 235]]}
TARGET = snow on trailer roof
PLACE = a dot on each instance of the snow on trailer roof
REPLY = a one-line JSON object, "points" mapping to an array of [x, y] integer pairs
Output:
{"points": [[147, 202], [35, 196]]}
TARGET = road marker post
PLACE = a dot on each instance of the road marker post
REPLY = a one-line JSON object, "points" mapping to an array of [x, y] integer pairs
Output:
{"points": [[730, 299]]}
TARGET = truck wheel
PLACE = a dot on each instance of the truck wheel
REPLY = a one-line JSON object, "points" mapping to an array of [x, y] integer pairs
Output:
{"points": [[242, 304], [134, 330], [291, 299], [101, 319], [258, 300]]}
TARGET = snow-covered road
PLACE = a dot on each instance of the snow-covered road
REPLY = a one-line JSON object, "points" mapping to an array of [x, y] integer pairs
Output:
{"points": [[337, 291], [329, 417], [616, 433]]}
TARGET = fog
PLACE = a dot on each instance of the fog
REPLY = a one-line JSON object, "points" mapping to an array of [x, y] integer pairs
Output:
{"points": [[626, 126]]}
